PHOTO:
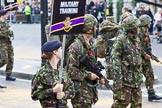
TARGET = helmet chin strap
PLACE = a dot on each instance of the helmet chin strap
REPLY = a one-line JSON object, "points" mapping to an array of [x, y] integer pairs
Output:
{"points": [[91, 32]]}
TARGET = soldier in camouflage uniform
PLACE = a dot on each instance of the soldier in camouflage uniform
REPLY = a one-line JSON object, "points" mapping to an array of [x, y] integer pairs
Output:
{"points": [[6, 48], [127, 69], [146, 64], [108, 34], [85, 94], [125, 15], [45, 83]]}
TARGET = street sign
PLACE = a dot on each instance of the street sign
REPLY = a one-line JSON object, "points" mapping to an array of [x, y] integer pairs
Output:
{"points": [[67, 16], [11, 5]]}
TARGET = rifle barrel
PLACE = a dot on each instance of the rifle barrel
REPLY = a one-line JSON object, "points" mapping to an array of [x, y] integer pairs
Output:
{"points": [[107, 85]]}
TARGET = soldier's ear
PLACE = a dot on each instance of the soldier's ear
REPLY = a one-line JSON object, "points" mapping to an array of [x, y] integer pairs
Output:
{"points": [[54, 52]]}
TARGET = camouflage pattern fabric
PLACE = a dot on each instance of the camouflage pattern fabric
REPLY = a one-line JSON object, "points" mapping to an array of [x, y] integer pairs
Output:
{"points": [[146, 64], [42, 87], [145, 20], [127, 54], [130, 23], [126, 62], [125, 96], [83, 92], [110, 18], [89, 22], [108, 30], [125, 15], [101, 47], [108, 67], [108, 33], [82, 105], [6, 48]]}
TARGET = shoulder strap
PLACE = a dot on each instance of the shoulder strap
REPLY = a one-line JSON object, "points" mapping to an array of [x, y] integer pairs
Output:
{"points": [[80, 46]]}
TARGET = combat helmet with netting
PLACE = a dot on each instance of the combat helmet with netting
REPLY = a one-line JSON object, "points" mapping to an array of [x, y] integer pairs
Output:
{"points": [[145, 20]]}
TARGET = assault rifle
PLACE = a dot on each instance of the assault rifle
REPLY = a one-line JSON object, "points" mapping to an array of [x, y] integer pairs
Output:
{"points": [[96, 68], [153, 57]]}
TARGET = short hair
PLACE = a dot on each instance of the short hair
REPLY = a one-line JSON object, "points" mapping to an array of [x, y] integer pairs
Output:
{"points": [[125, 8]]}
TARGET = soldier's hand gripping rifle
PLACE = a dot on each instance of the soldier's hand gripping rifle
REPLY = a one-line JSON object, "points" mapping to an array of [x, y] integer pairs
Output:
{"points": [[96, 68], [153, 57]]}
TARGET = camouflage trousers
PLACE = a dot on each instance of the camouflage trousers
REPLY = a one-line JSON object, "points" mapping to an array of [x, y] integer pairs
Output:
{"points": [[81, 105], [127, 95], [149, 75], [6, 57]]}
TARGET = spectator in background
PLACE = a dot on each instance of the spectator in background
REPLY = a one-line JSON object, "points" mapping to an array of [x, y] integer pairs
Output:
{"points": [[89, 7], [101, 8], [36, 12], [27, 12], [95, 13], [125, 13], [149, 13], [93, 10], [140, 11], [49, 10], [124, 10], [158, 20]]}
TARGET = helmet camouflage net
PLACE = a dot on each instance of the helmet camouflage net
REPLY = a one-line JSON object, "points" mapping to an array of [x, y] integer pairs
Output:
{"points": [[130, 22], [101, 46], [125, 15], [89, 22], [145, 20], [110, 18], [108, 29]]}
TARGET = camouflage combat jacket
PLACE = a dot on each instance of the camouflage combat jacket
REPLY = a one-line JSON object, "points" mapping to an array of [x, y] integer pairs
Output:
{"points": [[44, 81], [146, 44], [78, 72], [126, 61], [5, 33]]}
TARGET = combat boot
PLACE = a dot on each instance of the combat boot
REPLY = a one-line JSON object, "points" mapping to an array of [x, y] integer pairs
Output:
{"points": [[9, 78], [2, 86], [153, 96]]}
